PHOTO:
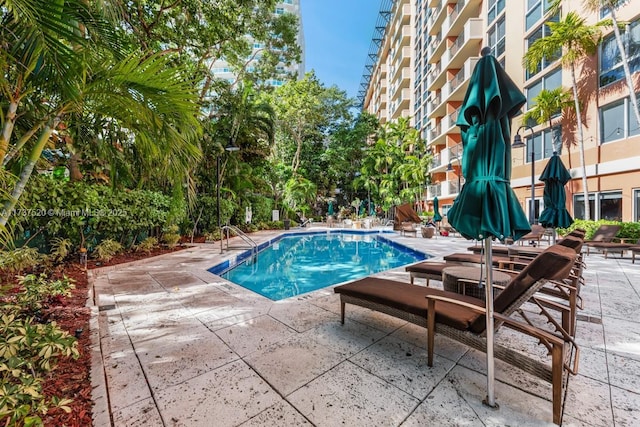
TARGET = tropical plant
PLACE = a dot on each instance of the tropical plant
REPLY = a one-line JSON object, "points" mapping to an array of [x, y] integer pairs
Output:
{"points": [[60, 248], [147, 245], [171, 235], [613, 6], [548, 105], [20, 259], [576, 40], [107, 249]]}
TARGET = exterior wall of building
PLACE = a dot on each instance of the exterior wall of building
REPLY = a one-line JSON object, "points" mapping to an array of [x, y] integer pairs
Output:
{"points": [[448, 36], [389, 90]]}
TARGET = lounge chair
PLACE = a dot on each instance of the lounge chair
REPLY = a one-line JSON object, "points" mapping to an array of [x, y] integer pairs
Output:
{"points": [[534, 236], [605, 233], [462, 318], [614, 247], [635, 249], [405, 216]]}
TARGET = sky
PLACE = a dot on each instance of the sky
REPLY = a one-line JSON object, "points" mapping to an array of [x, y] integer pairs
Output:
{"points": [[337, 37]]}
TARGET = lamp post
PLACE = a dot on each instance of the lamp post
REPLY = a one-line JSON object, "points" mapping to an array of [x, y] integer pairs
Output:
{"points": [[230, 148], [517, 143], [451, 169]]}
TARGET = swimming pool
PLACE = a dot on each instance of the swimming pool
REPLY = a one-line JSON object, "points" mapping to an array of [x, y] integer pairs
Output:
{"points": [[301, 263]]}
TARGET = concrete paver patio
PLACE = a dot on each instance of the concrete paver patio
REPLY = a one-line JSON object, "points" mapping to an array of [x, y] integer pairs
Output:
{"points": [[175, 345]]}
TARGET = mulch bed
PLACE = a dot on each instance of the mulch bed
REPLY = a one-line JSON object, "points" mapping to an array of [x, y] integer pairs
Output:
{"points": [[71, 379]]}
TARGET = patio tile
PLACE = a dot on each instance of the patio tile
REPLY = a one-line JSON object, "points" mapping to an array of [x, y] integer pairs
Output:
{"points": [[299, 315], [140, 414], [444, 407], [224, 316], [444, 346], [290, 364], [230, 395], [516, 407], [588, 400], [592, 362], [622, 337], [626, 407], [404, 365], [280, 414], [347, 339], [624, 372], [189, 352], [349, 395], [254, 334], [127, 383]]}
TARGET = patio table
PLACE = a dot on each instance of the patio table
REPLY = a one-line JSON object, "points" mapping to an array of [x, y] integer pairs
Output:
{"points": [[452, 276]]}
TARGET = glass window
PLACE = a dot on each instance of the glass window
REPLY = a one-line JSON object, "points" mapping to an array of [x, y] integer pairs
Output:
{"points": [[611, 206], [541, 32], [497, 38], [494, 8], [634, 126], [578, 206], [551, 81], [543, 143], [612, 122], [636, 205], [610, 59]]}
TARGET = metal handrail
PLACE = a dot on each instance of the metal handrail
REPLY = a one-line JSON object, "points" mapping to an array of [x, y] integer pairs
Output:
{"points": [[225, 235]]}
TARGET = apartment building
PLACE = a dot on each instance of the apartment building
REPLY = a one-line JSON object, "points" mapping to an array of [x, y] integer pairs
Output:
{"points": [[448, 36], [388, 78], [222, 70]]}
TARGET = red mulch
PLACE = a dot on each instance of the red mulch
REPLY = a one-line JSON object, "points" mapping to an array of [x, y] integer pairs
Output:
{"points": [[71, 379]]}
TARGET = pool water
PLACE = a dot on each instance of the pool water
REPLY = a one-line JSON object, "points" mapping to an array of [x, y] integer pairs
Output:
{"points": [[296, 265]]}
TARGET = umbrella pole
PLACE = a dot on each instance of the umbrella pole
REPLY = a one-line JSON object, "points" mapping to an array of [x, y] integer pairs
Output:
{"points": [[490, 399]]}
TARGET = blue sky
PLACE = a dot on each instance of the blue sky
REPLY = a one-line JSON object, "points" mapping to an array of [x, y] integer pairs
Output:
{"points": [[337, 38]]}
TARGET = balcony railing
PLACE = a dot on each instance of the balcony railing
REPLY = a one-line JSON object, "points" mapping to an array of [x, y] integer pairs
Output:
{"points": [[434, 191], [436, 161], [436, 131], [453, 117], [457, 80], [455, 152]]}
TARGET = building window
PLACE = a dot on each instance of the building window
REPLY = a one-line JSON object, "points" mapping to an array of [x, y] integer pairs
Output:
{"points": [[618, 121], [279, 10], [541, 32], [610, 61], [494, 8], [636, 205], [610, 205], [496, 38], [550, 81], [542, 143], [578, 206], [535, 11]]}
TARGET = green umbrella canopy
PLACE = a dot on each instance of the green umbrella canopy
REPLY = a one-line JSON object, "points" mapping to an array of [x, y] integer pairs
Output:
{"points": [[436, 212], [372, 209], [487, 205], [555, 176], [330, 209]]}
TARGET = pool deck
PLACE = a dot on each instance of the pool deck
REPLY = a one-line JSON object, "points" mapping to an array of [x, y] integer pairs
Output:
{"points": [[174, 345]]}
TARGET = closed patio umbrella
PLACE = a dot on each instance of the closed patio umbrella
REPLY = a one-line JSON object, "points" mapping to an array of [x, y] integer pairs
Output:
{"points": [[555, 176], [487, 207], [436, 213], [330, 208]]}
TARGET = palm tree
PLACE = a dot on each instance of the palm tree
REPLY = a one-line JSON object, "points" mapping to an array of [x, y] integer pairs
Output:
{"points": [[613, 5], [548, 105], [576, 40]]}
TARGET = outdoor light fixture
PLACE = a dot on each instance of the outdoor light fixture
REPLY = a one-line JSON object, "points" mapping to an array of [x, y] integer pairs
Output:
{"points": [[231, 147], [451, 169], [517, 143]]}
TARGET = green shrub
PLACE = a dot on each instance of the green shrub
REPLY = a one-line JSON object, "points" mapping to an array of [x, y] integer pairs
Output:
{"points": [[21, 259], [171, 235], [60, 248], [30, 350], [628, 230], [107, 249], [147, 245]]}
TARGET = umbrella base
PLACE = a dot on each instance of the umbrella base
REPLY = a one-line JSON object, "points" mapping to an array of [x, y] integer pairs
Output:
{"points": [[485, 402]]}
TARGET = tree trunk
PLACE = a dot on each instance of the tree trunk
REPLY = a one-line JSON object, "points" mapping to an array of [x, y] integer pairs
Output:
{"points": [[10, 119], [74, 167], [25, 175], [625, 66], [585, 190]]}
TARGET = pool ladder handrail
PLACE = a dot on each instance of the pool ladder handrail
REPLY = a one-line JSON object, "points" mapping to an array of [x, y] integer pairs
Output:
{"points": [[250, 242]]}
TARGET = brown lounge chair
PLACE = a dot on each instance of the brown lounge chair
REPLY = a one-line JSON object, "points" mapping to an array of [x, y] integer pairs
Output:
{"points": [[534, 236], [462, 317], [405, 217], [604, 234]]}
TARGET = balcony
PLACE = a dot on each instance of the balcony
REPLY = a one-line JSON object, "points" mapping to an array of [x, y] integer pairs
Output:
{"points": [[436, 78], [401, 57], [462, 12], [434, 190], [452, 188], [436, 161], [434, 4], [466, 44], [436, 19], [458, 84], [435, 132], [439, 109], [455, 153], [436, 47], [434, 101]]}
